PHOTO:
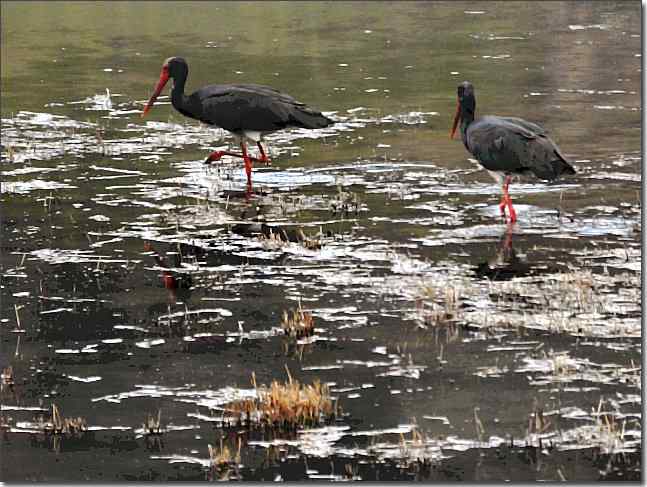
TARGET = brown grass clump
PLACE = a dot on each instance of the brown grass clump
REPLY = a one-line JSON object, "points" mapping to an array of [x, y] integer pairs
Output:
{"points": [[61, 425], [222, 457], [7, 378], [345, 203], [308, 242], [537, 423], [414, 454], [152, 425], [579, 287], [430, 311], [288, 405], [609, 430], [223, 465], [277, 239], [298, 323]]}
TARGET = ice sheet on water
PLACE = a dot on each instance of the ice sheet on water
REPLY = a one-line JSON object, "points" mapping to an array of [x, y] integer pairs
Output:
{"points": [[76, 378], [24, 187], [588, 27], [101, 102], [319, 442], [24, 119], [204, 462], [78, 256], [148, 343]]}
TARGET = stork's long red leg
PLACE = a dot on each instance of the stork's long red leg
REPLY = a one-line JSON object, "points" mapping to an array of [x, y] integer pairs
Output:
{"points": [[508, 201], [263, 158], [502, 205], [508, 237], [217, 155], [248, 164]]}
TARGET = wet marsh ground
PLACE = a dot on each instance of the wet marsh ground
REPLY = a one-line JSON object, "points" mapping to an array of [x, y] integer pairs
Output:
{"points": [[141, 290]]}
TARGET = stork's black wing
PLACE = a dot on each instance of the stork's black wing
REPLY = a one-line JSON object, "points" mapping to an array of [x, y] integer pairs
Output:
{"points": [[513, 145], [249, 107]]}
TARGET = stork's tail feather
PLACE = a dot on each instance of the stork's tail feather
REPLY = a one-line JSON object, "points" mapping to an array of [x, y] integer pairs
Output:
{"points": [[310, 119], [562, 167], [568, 169]]}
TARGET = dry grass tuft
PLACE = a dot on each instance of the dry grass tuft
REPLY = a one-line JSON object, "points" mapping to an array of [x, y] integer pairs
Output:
{"points": [[438, 305], [345, 203], [7, 378], [288, 405], [222, 457], [152, 425], [610, 432], [298, 323], [537, 423], [61, 425], [578, 288], [414, 454], [223, 465], [275, 240]]}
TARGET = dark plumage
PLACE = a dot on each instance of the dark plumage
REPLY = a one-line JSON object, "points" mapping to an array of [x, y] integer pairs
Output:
{"points": [[507, 145], [248, 108], [248, 111]]}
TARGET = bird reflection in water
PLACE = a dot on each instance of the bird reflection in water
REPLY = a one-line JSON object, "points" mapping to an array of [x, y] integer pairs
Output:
{"points": [[170, 279], [505, 264]]}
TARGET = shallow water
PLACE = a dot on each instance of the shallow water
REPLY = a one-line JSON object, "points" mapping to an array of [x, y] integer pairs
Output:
{"points": [[135, 279]]}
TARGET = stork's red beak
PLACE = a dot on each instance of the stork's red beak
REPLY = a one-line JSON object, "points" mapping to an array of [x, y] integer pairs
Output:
{"points": [[457, 118], [158, 89]]}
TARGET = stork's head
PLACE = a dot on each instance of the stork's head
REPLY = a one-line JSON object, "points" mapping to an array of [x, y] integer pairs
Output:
{"points": [[175, 68], [466, 104]]}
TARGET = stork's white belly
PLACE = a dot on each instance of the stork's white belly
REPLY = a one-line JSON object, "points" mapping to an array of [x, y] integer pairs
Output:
{"points": [[253, 135], [498, 176]]}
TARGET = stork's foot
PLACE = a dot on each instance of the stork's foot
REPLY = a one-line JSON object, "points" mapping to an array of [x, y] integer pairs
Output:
{"points": [[264, 160], [506, 202], [214, 156], [217, 155], [249, 191]]}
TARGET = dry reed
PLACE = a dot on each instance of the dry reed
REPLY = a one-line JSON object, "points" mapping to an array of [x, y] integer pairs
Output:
{"points": [[288, 405]]}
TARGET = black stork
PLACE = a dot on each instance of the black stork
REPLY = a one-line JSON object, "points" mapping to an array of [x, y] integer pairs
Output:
{"points": [[507, 145], [248, 111]]}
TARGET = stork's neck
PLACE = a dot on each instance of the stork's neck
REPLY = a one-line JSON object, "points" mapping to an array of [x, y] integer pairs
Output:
{"points": [[467, 117], [178, 98]]}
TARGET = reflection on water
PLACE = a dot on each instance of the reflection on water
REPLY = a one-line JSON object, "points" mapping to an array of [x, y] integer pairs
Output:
{"points": [[506, 263], [137, 280]]}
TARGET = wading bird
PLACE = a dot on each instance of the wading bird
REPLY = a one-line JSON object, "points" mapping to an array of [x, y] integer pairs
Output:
{"points": [[248, 111], [506, 146]]}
